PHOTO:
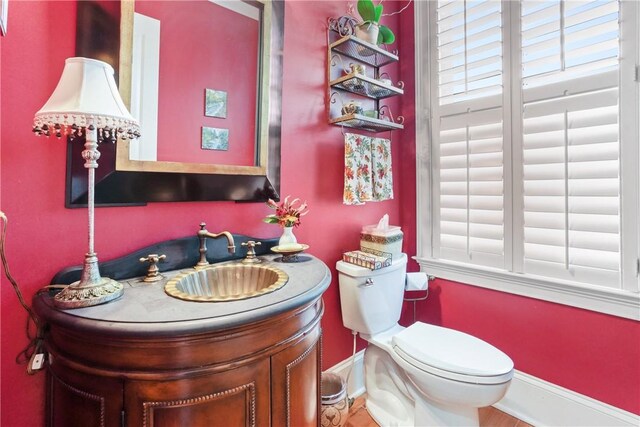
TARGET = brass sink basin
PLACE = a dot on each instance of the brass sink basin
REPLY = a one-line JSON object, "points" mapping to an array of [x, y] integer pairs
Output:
{"points": [[226, 282]]}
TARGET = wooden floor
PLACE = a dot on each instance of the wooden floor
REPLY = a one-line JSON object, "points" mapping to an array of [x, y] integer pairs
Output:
{"points": [[489, 417]]}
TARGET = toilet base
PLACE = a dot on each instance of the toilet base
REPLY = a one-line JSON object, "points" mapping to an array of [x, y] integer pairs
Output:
{"points": [[388, 400], [393, 400], [430, 413]]}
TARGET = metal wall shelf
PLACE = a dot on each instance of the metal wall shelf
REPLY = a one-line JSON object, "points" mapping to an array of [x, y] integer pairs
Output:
{"points": [[362, 51], [358, 121], [365, 86], [343, 44]]}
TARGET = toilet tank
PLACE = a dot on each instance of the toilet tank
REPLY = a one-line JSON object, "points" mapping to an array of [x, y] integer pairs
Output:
{"points": [[371, 300]]}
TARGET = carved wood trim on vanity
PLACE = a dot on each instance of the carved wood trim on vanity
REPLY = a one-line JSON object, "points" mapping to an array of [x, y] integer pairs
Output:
{"points": [[291, 365], [250, 387], [81, 393]]}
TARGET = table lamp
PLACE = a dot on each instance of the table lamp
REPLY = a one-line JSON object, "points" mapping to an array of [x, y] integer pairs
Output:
{"points": [[86, 103]]}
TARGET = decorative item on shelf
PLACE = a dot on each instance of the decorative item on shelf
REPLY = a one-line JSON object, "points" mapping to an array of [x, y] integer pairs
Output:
{"points": [[357, 69], [86, 103], [288, 214], [370, 29], [352, 107]]}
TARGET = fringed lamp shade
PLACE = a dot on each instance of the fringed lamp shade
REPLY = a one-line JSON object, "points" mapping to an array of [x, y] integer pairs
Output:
{"points": [[86, 103], [86, 95]]}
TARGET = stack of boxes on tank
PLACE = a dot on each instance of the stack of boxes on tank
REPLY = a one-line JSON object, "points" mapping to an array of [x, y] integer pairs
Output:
{"points": [[379, 244]]}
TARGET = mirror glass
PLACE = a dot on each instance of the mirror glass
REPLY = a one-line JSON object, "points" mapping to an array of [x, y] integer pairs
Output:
{"points": [[196, 75], [194, 87]]}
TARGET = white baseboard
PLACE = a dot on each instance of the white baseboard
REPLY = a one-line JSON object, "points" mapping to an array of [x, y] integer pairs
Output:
{"points": [[542, 403], [355, 381], [530, 399]]}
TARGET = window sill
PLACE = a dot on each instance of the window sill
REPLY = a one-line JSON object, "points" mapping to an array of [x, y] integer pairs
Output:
{"points": [[610, 301]]}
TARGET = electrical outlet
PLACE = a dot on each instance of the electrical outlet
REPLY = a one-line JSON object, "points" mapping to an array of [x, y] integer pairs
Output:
{"points": [[37, 362]]}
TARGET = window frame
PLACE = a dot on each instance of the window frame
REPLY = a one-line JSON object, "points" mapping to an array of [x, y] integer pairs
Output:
{"points": [[623, 302]]}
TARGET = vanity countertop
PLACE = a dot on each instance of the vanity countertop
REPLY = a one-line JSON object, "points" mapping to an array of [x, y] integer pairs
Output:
{"points": [[145, 308]]}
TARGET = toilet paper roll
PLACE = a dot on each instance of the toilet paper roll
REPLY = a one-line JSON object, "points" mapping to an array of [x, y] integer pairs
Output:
{"points": [[416, 282]]}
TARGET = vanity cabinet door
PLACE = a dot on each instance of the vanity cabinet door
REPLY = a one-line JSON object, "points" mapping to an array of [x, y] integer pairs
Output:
{"points": [[76, 399], [232, 398], [295, 382]]}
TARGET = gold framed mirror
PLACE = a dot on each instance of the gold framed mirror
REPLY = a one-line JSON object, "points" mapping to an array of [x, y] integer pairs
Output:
{"points": [[127, 181]]}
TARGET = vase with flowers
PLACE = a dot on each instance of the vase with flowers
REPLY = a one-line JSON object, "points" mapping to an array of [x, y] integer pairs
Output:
{"points": [[287, 216]]}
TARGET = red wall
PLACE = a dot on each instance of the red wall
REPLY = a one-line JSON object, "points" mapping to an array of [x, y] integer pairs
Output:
{"points": [[45, 237], [593, 354]]}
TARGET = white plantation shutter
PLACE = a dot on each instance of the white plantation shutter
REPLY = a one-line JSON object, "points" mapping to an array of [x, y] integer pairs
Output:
{"points": [[528, 122], [526, 145], [570, 140], [469, 50], [468, 133]]}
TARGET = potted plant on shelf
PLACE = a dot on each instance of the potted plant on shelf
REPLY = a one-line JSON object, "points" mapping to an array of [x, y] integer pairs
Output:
{"points": [[370, 29]]}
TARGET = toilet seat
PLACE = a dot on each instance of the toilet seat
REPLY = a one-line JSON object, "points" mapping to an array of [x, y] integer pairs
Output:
{"points": [[452, 354]]}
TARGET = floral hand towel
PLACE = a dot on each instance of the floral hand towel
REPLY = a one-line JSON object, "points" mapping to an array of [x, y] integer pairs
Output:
{"points": [[358, 186], [381, 163]]}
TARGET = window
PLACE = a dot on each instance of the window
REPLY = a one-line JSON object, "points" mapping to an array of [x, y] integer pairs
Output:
{"points": [[528, 177]]}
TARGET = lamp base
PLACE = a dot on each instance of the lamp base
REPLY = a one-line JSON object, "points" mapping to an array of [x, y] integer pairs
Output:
{"points": [[90, 290], [76, 296]]}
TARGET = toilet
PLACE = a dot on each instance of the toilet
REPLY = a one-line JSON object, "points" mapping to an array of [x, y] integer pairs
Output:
{"points": [[423, 375]]}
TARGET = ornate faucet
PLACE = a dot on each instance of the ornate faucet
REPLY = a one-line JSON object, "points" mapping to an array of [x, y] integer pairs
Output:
{"points": [[202, 235]]}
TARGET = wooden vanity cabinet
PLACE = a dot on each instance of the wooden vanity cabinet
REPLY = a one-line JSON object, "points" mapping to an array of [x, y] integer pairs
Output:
{"points": [[236, 397], [265, 373]]}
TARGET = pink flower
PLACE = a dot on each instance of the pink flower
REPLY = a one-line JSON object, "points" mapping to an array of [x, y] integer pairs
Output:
{"points": [[287, 213]]}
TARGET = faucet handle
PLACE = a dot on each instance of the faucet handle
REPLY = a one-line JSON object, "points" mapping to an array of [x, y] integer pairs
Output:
{"points": [[153, 274], [251, 253], [251, 244], [202, 225]]}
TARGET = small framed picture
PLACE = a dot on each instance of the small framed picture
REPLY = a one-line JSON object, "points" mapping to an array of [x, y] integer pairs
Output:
{"points": [[215, 139], [215, 104], [4, 7]]}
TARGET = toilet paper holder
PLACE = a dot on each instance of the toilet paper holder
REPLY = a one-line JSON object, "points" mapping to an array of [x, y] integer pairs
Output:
{"points": [[430, 278]]}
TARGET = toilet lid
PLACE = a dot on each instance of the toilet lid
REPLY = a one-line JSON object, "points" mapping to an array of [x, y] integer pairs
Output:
{"points": [[452, 351]]}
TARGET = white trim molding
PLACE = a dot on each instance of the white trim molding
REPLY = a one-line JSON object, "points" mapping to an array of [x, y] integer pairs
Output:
{"points": [[352, 371], [541, 403], [596, 298], [529, 399]]}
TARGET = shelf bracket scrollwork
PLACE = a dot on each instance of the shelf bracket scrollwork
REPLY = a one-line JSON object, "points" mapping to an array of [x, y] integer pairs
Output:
{"points": [[385, 75], [335, 97], [385, 113], [344, 25]]}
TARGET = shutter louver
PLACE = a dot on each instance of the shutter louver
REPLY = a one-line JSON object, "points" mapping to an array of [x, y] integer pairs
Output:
{"points": [[470, 137], [571, 144]]}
